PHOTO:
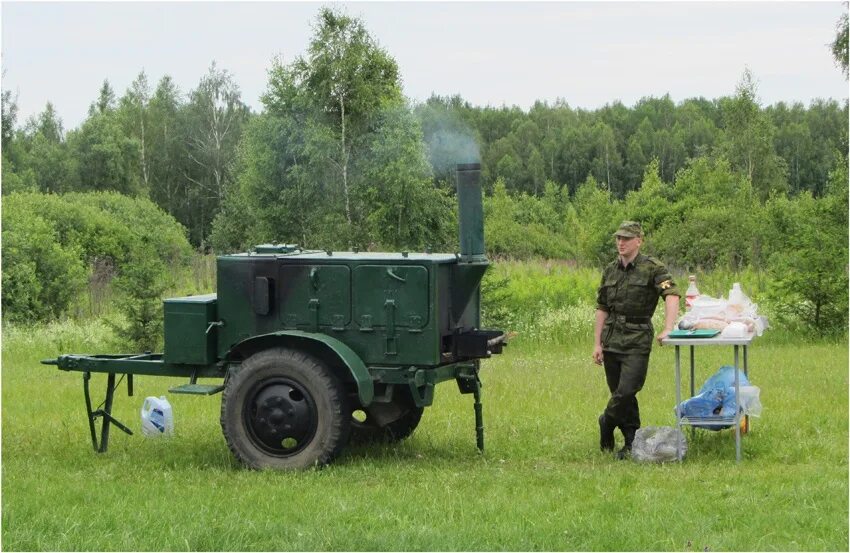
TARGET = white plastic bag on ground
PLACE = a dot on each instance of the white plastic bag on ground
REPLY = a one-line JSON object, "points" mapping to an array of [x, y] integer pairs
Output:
{"points": [[657, 444]]}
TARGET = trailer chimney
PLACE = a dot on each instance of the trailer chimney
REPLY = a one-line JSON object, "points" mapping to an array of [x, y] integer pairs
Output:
{"points": [[470, 213]]}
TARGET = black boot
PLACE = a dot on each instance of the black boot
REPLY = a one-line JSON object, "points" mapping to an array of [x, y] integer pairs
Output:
{"points": [[606, 434], [629, 436]]}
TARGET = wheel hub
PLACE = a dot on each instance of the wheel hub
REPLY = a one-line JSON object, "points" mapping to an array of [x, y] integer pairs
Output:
{"points": [[281, 417]]}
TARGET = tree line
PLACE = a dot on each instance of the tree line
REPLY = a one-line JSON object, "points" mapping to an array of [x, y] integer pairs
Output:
{"points": [[339, 158], [336, 127], [154, 142]]}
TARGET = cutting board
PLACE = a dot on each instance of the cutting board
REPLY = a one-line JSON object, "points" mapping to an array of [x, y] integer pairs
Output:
{"points": [[700, 333]]}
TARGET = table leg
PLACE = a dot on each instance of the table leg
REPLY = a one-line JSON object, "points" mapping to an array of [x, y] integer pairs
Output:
{"points": [[692, 371], [737, 411], [691, 430], [678, 402], [746, 372]]}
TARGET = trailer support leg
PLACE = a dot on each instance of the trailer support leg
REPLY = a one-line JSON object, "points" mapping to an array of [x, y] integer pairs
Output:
{"points": [[106, 413], [479, 417]]}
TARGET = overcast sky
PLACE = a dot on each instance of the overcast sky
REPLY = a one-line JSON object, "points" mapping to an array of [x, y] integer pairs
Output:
{"points": [[587, 53]]}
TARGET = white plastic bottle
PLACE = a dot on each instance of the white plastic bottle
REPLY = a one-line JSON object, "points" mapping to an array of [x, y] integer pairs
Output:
{"points": [[692, 293], [157, 417], [736, 295]]}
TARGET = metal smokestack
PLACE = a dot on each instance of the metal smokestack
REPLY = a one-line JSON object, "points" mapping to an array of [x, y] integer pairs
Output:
{"points": [[471, 213]]}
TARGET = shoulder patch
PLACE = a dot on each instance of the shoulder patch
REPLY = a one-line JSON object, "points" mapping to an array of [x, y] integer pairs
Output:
{"points": [[661, 277]]}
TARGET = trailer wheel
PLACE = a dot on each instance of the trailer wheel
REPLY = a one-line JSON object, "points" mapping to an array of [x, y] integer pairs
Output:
{"points": [[284, 410], [371, 425]]}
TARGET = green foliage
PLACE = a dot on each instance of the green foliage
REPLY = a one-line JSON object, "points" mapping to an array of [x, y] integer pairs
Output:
{"points": [[748, 140], [809, 269], [495, 300], [9, 111], [37, 156], [40, 277], [651, 204], [106, 158], [404, 209], [142, 282], [541, 300], [214, 119], [144, 221], [839, 45], [164, 148], [524, 227], [713, 221], [54, 245], [337, 161], [597, 216]]}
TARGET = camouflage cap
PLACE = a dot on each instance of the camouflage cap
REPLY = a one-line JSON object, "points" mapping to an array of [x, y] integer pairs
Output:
{"points": [[629, 229]]}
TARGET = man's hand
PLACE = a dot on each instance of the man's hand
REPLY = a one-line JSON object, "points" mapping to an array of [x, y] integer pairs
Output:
{"points": [[671, 311], [597, 354]]}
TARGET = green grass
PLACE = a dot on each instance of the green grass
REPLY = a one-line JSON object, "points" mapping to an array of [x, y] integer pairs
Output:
{"points": [[541, 485]]}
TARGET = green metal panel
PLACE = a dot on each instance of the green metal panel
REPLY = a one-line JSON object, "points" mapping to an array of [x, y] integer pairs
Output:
{"points": [[438, 297], [188, 336], [315, 295], [197, 389], [466, 278], [365, 387], [391, 295]]}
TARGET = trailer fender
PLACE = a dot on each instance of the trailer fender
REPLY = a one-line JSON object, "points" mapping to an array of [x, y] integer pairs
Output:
{"points": [[352, 361]]}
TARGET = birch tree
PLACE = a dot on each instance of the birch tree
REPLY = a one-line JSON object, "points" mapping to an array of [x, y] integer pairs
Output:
{"points": [[215, 117], [133, 113], [336, 160], [748, 140]]}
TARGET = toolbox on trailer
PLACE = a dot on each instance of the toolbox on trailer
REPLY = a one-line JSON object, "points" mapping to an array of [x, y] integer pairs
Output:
{"points": [[190, 336]]}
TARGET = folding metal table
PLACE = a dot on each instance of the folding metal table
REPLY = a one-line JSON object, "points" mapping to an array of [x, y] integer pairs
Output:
{"points": [[681, 420]]}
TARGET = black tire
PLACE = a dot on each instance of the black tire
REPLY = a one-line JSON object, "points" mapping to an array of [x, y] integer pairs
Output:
{"points": [[284, 410], [406, 419]]}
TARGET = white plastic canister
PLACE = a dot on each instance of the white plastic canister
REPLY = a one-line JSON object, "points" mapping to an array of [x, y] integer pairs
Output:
{"points": [[157, 417]]}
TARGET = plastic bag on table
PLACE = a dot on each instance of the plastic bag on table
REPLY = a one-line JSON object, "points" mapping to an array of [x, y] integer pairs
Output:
{"points": [[706, 312], [658, 444], [716, 313]]}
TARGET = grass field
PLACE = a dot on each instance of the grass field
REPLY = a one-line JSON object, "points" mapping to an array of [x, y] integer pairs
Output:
{"points": [[541, 485]]}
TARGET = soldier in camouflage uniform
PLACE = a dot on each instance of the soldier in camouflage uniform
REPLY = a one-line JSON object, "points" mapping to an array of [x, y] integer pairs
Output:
{"points": [[627, 297]]}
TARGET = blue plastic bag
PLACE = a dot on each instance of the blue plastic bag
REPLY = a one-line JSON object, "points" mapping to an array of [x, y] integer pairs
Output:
{"points": [[716, 398], [724, 378]]}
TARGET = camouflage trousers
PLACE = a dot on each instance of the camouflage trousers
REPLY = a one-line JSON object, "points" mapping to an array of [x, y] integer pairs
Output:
{"points": [[625, 374]]}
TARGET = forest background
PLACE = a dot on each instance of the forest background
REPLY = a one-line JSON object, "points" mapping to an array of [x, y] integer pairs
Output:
{"points": [[106, 218]]}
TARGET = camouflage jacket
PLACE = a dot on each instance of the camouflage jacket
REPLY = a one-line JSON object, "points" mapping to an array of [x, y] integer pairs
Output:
{"points": [[629, 295]]}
